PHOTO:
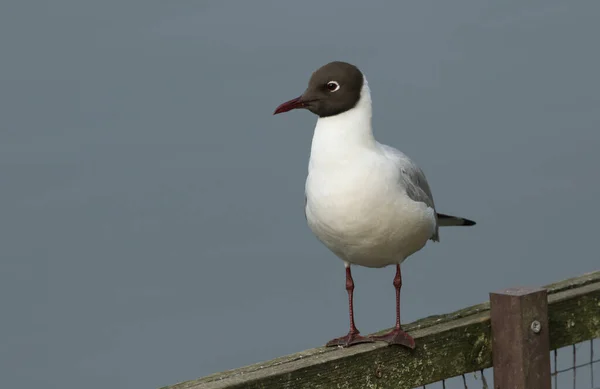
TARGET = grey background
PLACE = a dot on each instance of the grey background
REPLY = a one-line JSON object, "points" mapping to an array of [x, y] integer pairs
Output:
{"points": [[152, 224]]}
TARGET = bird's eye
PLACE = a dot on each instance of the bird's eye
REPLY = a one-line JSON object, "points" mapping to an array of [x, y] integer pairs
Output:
{"points": [[333, 86]]}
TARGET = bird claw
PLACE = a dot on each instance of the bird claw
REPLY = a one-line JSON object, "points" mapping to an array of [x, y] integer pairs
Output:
{"points": [[349, 340], [396, 336]]}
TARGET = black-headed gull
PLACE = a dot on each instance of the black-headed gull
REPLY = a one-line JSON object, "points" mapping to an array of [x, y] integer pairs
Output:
{"points": [[367, 202]]}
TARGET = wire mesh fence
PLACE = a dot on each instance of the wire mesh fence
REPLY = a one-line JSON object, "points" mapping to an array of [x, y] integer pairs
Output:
{"points": [[576, 366], [573, 367], [475, 380]]}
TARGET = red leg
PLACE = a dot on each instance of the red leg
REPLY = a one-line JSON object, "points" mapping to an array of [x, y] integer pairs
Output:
{"points": [[353, 336], [397, 335]]}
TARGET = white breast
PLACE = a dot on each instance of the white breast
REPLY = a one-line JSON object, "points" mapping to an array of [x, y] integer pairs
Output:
{"points": [[364, 220]]}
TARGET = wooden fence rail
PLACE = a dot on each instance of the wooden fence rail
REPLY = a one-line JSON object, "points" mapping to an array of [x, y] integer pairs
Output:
{"points": [[447, 346]]}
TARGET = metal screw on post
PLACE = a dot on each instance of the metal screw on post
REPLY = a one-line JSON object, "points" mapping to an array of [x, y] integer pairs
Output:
{"points": [[536, 327]]}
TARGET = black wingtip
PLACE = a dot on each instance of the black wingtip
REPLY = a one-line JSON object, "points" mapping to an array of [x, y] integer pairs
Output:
{"points": [[454, 220], [468, 222]]}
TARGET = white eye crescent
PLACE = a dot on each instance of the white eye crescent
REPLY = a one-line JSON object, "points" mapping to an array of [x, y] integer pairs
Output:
{"points": [[332, 86]]}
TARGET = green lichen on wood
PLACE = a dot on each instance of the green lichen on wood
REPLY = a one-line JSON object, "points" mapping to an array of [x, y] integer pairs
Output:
{"points": [[576, 318], [447, 346]]}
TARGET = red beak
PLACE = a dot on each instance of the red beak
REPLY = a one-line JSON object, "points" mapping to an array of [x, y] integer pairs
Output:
{"points": [[289, 105]]}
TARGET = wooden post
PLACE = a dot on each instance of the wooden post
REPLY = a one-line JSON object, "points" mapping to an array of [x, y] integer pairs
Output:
{"points": [[520, 338]]}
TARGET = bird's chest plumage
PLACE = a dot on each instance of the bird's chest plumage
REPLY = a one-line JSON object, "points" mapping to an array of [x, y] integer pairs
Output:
{"points": [[346, 200], [359, 213]]}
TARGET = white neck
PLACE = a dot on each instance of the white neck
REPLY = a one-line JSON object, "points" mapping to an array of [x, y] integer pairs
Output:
{"points": [[341, 136]]}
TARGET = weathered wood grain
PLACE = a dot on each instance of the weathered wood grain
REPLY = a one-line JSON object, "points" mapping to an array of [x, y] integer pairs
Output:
{"points": [[447, 346]]}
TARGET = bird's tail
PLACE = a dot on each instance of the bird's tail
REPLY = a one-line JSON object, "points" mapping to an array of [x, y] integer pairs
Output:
{"points": [[447, 220]]}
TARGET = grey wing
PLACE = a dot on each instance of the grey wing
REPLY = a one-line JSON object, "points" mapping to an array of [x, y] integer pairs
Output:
{"points": [[416, 184], [414, 181]]}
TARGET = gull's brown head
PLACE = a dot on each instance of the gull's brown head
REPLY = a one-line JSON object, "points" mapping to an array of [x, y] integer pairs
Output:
{"points": [[332, 89]]}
